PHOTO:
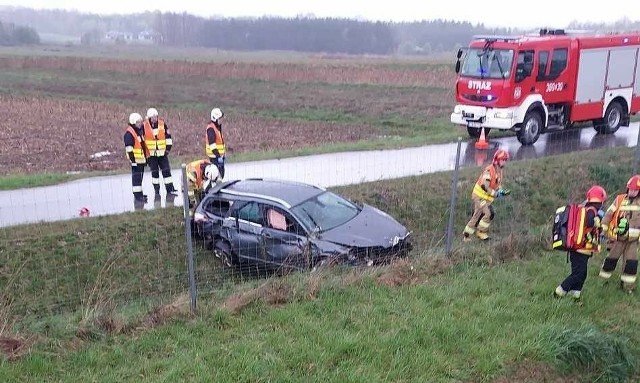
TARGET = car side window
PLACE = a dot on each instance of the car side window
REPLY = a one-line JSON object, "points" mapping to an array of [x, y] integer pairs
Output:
{"points": [[279, 219], [558, 63], [251, 213], [543, 57], [218, 207]]}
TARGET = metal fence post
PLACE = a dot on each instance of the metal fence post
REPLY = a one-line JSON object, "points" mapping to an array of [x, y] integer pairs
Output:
{"points": [[637, 159], [188, 238], [452, 204]]}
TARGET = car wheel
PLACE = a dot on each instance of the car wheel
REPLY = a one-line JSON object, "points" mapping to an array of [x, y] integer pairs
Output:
{"points": [[475, 132], [223, 251], [531, 129], [612, 120]]}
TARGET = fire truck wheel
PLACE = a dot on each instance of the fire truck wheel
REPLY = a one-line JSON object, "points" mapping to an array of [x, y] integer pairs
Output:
{"points": [[475, 132], [612, 120], [531, 129]]}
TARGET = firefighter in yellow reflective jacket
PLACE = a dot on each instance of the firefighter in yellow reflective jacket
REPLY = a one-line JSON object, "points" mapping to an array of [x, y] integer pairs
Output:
{"points": [[485, 191], [590, 225], [621, 223], [159, 143], [201, 175], [137, 153], [214, 140]]}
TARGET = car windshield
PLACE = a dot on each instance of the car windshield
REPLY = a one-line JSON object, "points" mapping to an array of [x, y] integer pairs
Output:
{"points": [[488, 63], [325, 211]]}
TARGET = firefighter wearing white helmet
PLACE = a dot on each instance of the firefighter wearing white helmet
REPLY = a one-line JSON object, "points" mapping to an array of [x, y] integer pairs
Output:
{"points": [[211, 177], [201, 176], [214, 140], [159, 143], [137, 153]]}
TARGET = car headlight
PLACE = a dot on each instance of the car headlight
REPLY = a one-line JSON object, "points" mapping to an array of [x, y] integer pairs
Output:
{"points": [[505, 115]]}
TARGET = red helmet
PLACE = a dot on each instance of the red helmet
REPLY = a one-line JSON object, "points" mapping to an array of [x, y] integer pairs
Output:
{"points": [[596, 194], [634, 183], [500, 154]]}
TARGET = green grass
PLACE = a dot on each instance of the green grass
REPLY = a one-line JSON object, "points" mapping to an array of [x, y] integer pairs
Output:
{"points": [[485, 313], [30, 180], [17, 181]]}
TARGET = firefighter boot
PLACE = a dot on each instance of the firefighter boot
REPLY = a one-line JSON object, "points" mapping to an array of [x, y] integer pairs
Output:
{"points": [[482, 235], [467, 232], [576, 295], [559, 292], [628, 277], [608, 266]]}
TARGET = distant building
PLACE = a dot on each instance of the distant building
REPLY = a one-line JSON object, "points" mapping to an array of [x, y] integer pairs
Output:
{"points": [[119, 36], [150, 36]]}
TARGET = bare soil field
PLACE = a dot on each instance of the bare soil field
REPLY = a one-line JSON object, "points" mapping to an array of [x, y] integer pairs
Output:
{"points": [[333, 73], [43, 134], [58, 111]]}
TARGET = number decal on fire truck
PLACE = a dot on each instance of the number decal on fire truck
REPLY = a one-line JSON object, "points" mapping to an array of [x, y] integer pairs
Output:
{"points": [[555, 87]]}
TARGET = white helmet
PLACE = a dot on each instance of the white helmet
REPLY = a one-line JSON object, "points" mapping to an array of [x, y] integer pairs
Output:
{"points": [[134, 118], [211, 173], [152, 112], [211, 176], [216, 113]]}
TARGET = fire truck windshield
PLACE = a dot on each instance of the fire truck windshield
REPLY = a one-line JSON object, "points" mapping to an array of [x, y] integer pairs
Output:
{"points": [[487, 63]]}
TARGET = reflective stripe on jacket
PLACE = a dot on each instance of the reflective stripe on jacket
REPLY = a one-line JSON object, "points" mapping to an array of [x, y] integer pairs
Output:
{"points": [[140, 152], [491, 179], [155, 139], [217, 145]]}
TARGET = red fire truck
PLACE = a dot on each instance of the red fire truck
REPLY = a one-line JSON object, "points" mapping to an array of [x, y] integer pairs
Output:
{"points": [[551, 80]]}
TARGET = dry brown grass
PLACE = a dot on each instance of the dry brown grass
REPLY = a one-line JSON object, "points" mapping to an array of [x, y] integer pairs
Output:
{"points": [[535, 372], [15, 347], [179, 308], [401, 272]]}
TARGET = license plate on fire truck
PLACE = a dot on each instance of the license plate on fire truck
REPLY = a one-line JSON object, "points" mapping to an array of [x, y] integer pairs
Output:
{"points": [[474, 124]]}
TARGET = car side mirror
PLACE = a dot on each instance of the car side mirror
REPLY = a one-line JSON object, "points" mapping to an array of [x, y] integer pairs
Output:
{"points": [[458, 56]]}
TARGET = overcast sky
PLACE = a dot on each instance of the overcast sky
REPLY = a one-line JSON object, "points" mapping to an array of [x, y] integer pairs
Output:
{"points": [[551, 13]]}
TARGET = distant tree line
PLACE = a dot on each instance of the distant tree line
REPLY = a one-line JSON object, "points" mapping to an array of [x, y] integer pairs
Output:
{"points": [[310, 34], [11, 34]]}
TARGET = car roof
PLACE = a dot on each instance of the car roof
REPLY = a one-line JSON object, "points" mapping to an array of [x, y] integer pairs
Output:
{"points": [[288, 193]]}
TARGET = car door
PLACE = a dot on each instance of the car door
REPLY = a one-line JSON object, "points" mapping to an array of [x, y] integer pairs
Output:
{"points": [[214, 210], [245, 231], [553, 77], [285, 242]]}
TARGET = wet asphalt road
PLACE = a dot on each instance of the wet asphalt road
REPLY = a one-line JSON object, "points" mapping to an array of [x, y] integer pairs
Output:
{"points": [[112, 194]]}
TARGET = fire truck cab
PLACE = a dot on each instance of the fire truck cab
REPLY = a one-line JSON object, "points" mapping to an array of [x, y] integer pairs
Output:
{"points": [[550, 80]]}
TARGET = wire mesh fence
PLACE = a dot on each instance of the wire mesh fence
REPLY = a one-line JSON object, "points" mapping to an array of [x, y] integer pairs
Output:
{"points": [[100, 253]]}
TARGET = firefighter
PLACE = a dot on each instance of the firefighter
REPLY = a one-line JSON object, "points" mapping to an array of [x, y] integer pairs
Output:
{"points": [[201, 175], [137, 153], [572, 285], [159, 143], [214, 140], [486, 190], [621, 224]]}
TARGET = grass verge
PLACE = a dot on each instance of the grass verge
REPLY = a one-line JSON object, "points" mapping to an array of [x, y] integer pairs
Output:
{"points": [[483, 315]]}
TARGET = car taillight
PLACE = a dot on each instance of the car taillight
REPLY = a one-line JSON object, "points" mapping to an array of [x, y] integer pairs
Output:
{"points": [[199, 217]]}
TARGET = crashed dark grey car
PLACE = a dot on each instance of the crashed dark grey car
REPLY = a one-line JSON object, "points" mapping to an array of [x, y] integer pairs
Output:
{"points": [[278, 223]]}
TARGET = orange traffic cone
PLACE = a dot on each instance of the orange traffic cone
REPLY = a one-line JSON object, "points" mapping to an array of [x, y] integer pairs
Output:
{"points": [[482, 141]]}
